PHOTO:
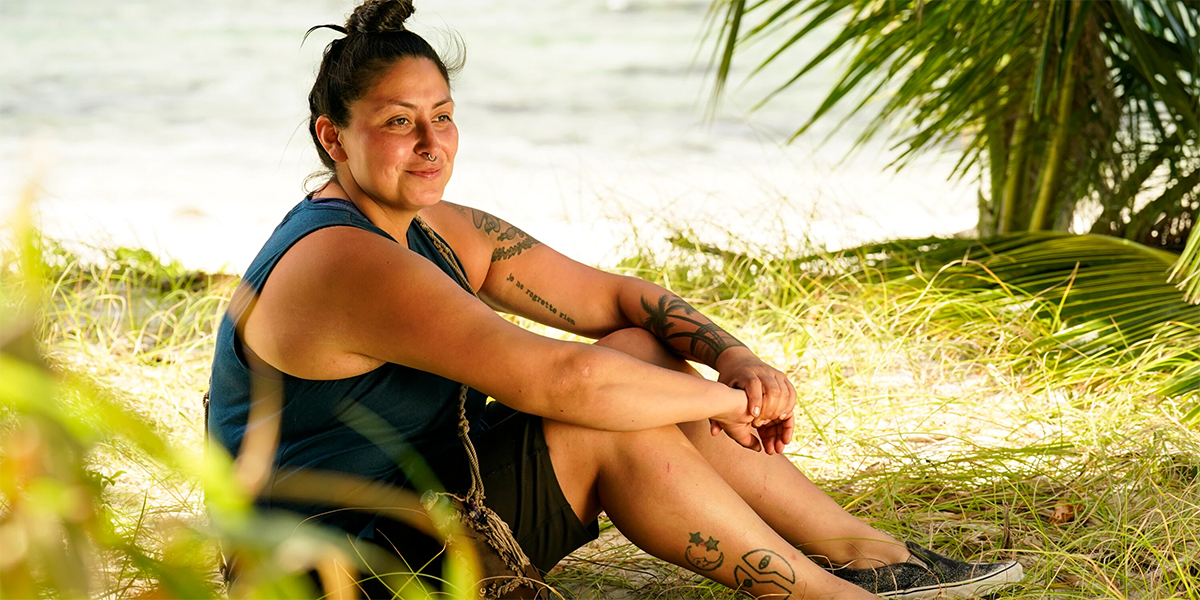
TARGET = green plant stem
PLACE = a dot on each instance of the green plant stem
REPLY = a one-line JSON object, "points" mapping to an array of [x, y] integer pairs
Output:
{"points": [[1014, 179], [997, 144], [1047, 198]]}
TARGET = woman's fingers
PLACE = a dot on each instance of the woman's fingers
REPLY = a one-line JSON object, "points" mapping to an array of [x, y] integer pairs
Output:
{"points": [[777, 434], [770, 400], [743, 435], [771, 437], [775, 402], [786, 396], [754, 397], [789, 429]]}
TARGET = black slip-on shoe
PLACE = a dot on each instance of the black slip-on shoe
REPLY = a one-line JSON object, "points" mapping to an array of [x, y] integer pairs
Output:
{"points": [[928, 574]]}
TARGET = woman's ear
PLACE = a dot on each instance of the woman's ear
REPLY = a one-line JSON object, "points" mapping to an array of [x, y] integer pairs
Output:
{"points": [[328, 133]]}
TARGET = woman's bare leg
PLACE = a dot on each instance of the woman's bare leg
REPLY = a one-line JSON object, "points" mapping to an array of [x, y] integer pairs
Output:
{"points": [[666, 498], [772, 486]]}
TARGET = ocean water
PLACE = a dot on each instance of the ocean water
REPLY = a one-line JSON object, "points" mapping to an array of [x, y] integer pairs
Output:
{"points": [[180, 127]]}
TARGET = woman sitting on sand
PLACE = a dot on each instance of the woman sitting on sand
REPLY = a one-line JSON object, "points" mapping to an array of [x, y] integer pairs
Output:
{"points": [[356, 306]]}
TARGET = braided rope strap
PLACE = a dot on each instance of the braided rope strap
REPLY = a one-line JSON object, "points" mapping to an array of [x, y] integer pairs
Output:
{"points": [[481, 518]]}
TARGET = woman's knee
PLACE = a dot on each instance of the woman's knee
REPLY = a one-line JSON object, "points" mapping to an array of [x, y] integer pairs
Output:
{"points": [[642, 345], [598, 448]]}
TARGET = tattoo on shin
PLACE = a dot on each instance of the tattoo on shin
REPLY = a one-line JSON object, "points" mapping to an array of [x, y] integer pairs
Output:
{"points": [[766, 570], [538, 299], [703, 555], [705, 343]]}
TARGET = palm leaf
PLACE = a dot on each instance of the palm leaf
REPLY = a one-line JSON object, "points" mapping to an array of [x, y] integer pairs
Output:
{"points": [[1100, 298], [1187, 269]]}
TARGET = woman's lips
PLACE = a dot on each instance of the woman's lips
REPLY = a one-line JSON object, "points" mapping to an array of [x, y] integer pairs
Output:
{"points": [[432, 174]]}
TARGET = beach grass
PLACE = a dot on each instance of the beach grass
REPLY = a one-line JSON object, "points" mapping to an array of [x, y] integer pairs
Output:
{"points": [[923, 410]]}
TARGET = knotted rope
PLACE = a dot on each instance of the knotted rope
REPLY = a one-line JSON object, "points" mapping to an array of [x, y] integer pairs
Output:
{"points": [[483, 519]]}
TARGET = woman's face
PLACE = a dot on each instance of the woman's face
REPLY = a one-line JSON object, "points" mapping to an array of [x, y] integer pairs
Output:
{"points": [[406, 118]]}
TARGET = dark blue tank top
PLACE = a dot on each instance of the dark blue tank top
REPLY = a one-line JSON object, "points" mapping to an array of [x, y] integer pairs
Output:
{"points": [[379, 425]]}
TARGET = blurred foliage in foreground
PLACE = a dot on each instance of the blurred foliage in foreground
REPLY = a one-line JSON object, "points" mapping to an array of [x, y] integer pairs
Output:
{"points": [[110, 496]]}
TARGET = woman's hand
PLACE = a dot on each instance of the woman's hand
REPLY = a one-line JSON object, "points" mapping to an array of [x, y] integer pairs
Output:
{"points": [[774, 435], [771, 397], [737, 425]]}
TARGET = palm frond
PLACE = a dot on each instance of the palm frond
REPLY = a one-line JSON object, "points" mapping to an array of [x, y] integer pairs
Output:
{"points": [[1186, 269], [1100, 298]]}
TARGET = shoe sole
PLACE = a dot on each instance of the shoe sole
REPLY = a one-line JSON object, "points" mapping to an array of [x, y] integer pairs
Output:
{"points": [[1010, 574]]}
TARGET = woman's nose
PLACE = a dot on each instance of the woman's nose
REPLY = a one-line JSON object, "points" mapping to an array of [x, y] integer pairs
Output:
{"points": [[427, 142]]}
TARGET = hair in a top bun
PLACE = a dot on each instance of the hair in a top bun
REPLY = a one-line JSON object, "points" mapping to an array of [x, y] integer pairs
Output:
{"points": [[375, 38], [380, 16]]}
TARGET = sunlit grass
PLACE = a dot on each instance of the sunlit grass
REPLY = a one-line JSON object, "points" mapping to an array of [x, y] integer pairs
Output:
{"points": [[925, 411]]}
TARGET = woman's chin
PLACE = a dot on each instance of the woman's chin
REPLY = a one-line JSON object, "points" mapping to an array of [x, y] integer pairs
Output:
{"points": [[426, 198]]}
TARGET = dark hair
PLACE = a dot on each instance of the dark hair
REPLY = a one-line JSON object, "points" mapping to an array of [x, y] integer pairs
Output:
{"points": [[375, 38]]}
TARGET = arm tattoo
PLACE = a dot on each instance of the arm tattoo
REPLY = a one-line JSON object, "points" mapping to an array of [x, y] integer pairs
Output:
{"points": [[538, 299], [767, 571], [489, 225], [703, 555], [696, 338], [523, 243], [485, 222]]}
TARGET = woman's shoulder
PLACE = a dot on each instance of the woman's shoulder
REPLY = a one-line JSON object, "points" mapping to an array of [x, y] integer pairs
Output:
{"points": [[470, 232], [463, 219]]}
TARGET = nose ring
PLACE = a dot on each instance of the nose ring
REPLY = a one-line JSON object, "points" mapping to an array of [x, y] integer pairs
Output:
{"points": [[430, 156]]}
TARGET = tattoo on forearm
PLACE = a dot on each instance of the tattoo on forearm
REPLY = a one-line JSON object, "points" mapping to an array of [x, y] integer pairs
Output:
{"points": [[766, 570], [703, 555], [538, 299], [705, 343]]}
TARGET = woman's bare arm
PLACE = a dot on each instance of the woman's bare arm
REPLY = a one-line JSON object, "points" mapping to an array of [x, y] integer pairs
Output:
{"points": [[342, 296], [518, 274]]}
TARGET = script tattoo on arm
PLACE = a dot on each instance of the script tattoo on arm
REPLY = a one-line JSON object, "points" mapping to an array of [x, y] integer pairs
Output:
{"points": [[538, 299], [521, 242], [703, 555], [690, 333], [766, 571]]}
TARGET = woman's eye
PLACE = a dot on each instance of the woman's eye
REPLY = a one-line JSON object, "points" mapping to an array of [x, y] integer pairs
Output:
{"points": [[443, 119], [399, 121]]}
